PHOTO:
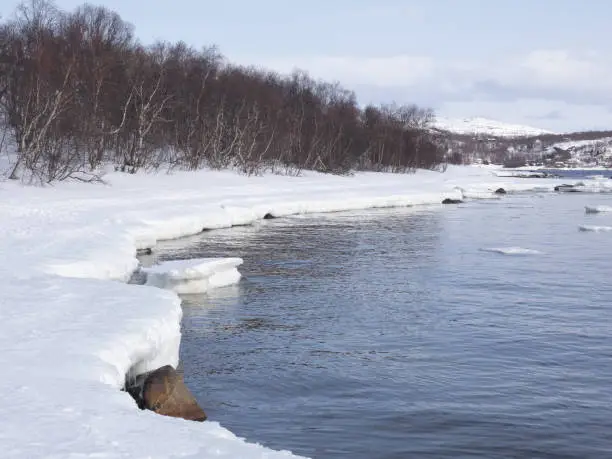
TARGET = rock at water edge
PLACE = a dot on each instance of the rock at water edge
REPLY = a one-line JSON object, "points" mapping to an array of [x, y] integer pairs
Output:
{"points": [[165, 392]]}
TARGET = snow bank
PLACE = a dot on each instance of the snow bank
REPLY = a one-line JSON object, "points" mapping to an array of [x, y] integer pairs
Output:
{"points": [[70, 329], [67, 345], [597, 209], [594, 228], [196, 275], [512, 251]]}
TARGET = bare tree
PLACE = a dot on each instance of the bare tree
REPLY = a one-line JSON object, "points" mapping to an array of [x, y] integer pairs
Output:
{"points": [[77, 91]]}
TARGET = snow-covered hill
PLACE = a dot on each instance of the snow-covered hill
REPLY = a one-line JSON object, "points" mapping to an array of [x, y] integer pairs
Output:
{"points": [[486, 126], [579, 153]]}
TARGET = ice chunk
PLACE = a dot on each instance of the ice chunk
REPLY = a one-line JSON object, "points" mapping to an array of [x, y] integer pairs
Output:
{"points": [[594, 228], [512, 251], [597, 209], [196, 275]]}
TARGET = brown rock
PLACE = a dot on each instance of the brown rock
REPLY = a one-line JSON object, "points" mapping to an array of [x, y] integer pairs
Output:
{"points": [[165, 392], [452, 201]]}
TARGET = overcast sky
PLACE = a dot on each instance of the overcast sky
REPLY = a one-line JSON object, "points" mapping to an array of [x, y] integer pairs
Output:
{"points": [[545, 63]]}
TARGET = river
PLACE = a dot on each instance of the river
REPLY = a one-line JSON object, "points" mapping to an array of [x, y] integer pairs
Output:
{"points": [[419, 332]]}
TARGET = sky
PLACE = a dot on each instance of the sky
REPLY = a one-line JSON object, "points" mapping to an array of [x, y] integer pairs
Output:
{"points": [[542, 63]]}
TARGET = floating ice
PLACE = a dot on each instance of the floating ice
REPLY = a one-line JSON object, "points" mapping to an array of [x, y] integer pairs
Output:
{"points": [[512, 251], [196, 275], [594, 228], [597, 209]]}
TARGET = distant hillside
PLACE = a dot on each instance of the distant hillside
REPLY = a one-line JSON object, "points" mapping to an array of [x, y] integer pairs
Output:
{"points": [[483, 126], [477, 140], [580, 150]]}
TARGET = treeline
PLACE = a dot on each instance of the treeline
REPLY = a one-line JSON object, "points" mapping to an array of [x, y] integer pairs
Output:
{"points": [[78, 91]]}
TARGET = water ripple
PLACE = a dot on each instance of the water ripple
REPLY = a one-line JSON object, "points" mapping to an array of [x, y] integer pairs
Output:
{"points": [[391, 334]]}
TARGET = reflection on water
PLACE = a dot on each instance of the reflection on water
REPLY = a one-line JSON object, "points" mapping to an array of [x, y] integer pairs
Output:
{"points": [[391, 334]]}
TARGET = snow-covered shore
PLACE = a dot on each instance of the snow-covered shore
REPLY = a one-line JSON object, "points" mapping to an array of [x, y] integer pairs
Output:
{"points": [[71, 328]]}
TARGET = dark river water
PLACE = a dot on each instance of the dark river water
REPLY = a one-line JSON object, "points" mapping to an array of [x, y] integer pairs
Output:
{"points": [[400, 333]]}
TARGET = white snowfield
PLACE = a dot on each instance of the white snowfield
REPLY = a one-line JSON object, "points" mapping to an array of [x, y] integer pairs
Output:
{"points": [[71, 328], [196, 275]]}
